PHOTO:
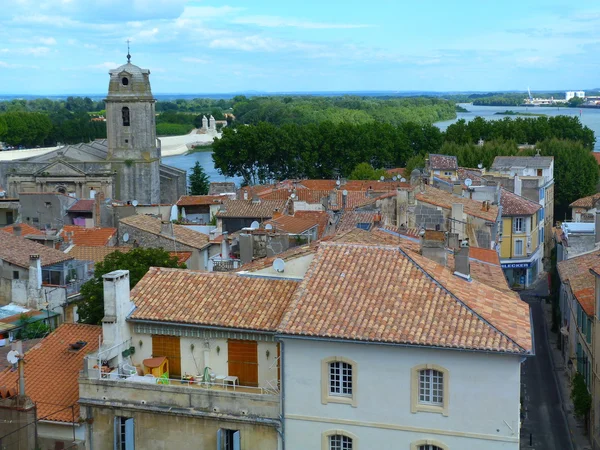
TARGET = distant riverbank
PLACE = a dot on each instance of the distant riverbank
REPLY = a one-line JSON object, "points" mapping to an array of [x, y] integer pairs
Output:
{"points": [[510, 112]]}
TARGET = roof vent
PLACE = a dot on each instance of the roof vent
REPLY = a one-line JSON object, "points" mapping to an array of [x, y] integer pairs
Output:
{"points": [[76, 346]]}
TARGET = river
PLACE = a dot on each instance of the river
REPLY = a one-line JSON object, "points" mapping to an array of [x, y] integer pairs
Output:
{"points": [[589, 117]]}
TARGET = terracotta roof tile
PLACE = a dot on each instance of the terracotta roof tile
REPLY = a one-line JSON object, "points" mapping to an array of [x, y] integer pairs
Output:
{"points": [[16, 250], [321, 218], [83, 205], [586, 202], [52, 371], [218, 299], [351, 220], [26, 230], [265, 209], [88, 236], [200, 200], [515, 205], [95, 254], [383, 294], [597, 156], [438, 197], [288, 255], [292, 224], [442, 162], [576, 273], [181, 234]]}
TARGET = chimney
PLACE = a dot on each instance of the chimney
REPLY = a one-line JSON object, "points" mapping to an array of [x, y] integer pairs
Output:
{"points": [[17, 230], [453, 241], [225, 246], [462, 267], [344, 198], [166, 228], [117, 306], [97, 205], [255, 199], [518, 185], [245, 194], [35, 272], [246, 242], [457, 224], [433, 246]]}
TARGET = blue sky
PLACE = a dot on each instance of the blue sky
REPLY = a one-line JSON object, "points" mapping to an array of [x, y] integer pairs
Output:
{"points": [[68, 46]]}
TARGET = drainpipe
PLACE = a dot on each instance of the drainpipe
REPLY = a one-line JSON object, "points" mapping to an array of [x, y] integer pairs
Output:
{"points": [[282, 368]]}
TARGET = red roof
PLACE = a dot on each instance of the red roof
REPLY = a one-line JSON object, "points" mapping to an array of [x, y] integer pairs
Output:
{"points": [[597, 156], [83, 206], [25, 230], [93, 237], [200, 200]]}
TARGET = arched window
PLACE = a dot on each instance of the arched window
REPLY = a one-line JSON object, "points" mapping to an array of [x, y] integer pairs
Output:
{"points": [[340, 442], [429, 447], [338, 380], [430, 384], [125, 81], [428, 444], [125, 113]]}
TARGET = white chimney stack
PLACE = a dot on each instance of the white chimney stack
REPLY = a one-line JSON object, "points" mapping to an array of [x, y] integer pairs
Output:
{"points": [[117, 306]]}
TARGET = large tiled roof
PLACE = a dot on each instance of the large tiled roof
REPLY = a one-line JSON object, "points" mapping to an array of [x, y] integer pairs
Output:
{"points": [[384, 294], [181, 234], [586, 202], [16, 250], [576, 272], [200, 200], [217, 299], [83, 205], [263, 209], [26, 230], [351, 219], [515, 205], [292, 224], [52, 371], [88, 236], [438, 197], [321, 218], [535, 162], [288, 255], [95, 254], [442, 162]]}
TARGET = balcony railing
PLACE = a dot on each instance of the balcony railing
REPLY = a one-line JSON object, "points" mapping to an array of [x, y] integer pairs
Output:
{"points": [[224, 265]]}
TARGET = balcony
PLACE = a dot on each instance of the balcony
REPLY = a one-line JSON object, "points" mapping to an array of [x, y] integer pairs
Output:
{"points": [[223, 265]]}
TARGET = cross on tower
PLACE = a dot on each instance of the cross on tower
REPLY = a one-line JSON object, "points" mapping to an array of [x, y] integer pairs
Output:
{"points": [[128, 55]]}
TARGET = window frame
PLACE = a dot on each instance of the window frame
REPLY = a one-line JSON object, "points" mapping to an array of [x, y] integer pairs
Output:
{"points": [[327, 434], [520, 220], [416, 405], [326, 396], [120, 431], [415, 445], [126, 116], [522, 253]]}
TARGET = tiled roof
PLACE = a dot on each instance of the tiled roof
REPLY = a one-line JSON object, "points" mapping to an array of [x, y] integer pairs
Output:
{"points": [[383, 294], [200, 200], [576, 272], [351, 219], [292, 224], [83, 206], [596, 155], [88, 236], [515, 205], [442, 162], [52, 371], [438, 197], [16, 250], [585, 202], [217, 299], [536, 162], [181, 234], [288, 255], [321, 218], [95, 254], [396, 171], [265, 209], [182, 257], [26, 230]]}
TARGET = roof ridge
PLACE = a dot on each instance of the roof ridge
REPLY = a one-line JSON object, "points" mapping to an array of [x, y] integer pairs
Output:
{"points": [[461, 302]]}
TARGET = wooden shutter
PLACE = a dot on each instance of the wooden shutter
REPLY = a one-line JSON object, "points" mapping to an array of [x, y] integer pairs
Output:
{"points": [[168, 346], [243, 361]]}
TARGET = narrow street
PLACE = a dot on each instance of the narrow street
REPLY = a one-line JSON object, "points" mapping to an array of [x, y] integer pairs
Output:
{"points": [[543, 417]]}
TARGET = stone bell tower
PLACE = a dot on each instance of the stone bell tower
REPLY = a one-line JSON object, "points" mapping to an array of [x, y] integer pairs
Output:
{"points": [[133, 149]]}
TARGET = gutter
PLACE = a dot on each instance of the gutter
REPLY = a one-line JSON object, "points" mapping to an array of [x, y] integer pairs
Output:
{"points": [[209, 327]]}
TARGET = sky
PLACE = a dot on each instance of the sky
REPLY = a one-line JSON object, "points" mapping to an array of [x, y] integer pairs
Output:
{"points": [[58, 47]]}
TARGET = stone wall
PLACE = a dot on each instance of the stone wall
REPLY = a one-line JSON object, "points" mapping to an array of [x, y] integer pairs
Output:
{"points": [[14, 413]]}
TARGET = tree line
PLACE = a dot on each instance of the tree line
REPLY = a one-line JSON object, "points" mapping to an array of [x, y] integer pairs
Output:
{"points": [[264, 152]]}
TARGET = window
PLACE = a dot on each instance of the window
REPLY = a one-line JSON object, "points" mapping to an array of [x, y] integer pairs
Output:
{"points": [[340, 442], [228, 439], [540, 172], [518, 224], [125, 113], [15, 274], [428, 444], [124, 439], [429, 447], [541, 214], [429, 389], [125, 81], [338, 381], [363, 226], [519, 247], [542, 193]]}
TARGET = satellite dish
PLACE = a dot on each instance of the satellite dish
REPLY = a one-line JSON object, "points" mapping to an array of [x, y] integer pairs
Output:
{"points": [[337, 182], [126, 237], [344, 192], [394, 178], [403, 180], [293, 196], [381, 178], [279, 265], [480, 165], [174, 213], [13, 357], [135, 203], [268, 226], [255, 225], [468, 182]]}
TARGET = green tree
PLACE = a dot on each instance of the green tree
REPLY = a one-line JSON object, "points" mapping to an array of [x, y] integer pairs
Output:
{"points": [[582, 400], [575, 102], [416, 162], [198, 181], [138, 261], [365, 171]]}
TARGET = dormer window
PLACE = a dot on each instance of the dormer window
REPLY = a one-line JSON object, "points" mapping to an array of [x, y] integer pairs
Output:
{"points": [[125, 81], [125, 113]]}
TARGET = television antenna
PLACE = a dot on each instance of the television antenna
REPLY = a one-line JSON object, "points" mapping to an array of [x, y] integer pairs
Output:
{"points": [[135, 203], [254, 225], [126, 237], [468, 182], [279, 265]]}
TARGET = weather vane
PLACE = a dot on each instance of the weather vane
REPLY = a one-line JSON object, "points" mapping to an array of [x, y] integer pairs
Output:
{"points": [[128, 55]]}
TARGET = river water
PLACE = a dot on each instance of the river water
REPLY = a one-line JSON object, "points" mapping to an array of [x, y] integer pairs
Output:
{"points": [[588, 116]]}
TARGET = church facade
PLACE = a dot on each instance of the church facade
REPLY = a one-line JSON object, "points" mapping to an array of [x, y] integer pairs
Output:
{"points": [[126, 166]]}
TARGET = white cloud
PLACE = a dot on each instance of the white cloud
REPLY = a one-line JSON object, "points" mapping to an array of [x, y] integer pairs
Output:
{"points": [[194, 60], [105, 66], [47, 40], [208, 12], [34, 51], [246, 43], [279, 22]]}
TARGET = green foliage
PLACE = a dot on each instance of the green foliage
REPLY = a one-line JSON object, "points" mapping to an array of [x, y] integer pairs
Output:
{"points": [[30, 329], [582, 400], [575, 102], [198, 181], [365, 171], [416, 162], [173, 129], [138, 261]]}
